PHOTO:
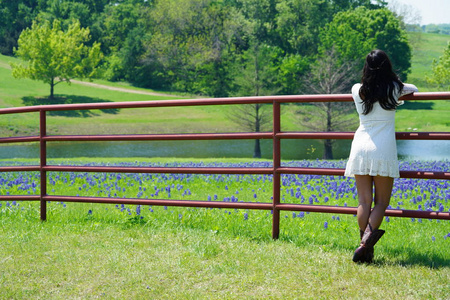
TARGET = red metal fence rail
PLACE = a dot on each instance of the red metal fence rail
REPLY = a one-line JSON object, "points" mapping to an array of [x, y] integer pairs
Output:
{"points": [[276, 170]]}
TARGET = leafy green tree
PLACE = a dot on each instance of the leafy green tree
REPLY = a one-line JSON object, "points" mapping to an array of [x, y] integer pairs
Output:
{"points": [[123, 31], [191, 44], [355, 33], [298, 23], [441, 70], [15, 16], [54, 56], [66, 12]]}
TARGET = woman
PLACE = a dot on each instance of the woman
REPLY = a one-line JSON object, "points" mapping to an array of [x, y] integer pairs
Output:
{"points": [[373, 156]]}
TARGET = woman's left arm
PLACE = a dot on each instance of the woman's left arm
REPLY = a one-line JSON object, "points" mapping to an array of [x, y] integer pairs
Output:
{"points": [[408, 89]]}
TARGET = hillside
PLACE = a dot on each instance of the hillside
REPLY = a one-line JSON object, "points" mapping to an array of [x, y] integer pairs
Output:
{"points": [[424, 116], [426, 48]]}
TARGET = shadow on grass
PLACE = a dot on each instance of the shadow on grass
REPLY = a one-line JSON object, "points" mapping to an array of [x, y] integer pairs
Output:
{"points": [[69, 99], [391, 255], [415, 105], [409, 257]]}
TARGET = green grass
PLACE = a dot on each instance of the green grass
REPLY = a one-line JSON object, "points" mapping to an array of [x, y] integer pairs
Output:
{"points": [[188, 253], [89, 257], [15, 92], [89, 251], [426, 48]]}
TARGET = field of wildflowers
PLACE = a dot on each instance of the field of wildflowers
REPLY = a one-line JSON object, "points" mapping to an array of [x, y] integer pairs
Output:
{"points": [[411, 194], [120, 251]]}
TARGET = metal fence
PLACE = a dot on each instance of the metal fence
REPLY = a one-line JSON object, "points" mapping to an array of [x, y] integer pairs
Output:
{"points": [[276, 135]]}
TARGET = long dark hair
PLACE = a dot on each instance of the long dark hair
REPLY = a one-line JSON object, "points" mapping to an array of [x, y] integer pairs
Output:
{"points": [[378, 82]]}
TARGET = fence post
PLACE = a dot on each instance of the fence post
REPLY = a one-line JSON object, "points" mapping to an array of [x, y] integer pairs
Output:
{"points": [[276, 165], [43, 161]]}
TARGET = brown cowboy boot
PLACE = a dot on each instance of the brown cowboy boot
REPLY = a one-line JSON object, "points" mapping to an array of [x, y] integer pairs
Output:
{"points": [[369, 252], [364, 253]]}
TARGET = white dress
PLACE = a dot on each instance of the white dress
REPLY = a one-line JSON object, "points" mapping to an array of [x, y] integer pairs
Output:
{"points": [[374, 149]]}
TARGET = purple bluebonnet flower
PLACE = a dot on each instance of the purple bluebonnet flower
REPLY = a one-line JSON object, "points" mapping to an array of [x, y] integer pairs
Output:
{"points": [[246, 216], [325, 225], [90, 212], [433, 238]]}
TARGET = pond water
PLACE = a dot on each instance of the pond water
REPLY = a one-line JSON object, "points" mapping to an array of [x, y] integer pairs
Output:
{"points": [[291, 149]]}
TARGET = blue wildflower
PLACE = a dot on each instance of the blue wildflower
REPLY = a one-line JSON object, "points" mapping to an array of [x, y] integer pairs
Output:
{"points": [[325, 225]]}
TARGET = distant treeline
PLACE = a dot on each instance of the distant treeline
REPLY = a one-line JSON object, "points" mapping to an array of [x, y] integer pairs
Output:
{"points": [[221, 47], [430, 28]]}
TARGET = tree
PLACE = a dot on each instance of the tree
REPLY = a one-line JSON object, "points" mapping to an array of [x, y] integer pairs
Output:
{"points": [[123, 30], [257, 78], [328, 76], [191, 43], [407, 14], [441, 70], [355, 33], [15, 17], [54, 56]]}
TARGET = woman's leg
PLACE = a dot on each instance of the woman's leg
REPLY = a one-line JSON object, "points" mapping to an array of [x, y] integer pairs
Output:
{"points": [[383, 190], [364, 186]]}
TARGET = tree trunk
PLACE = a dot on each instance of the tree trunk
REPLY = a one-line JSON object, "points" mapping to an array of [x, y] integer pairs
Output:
{"points": [[52, 88], [328, 149], [257, 151]]}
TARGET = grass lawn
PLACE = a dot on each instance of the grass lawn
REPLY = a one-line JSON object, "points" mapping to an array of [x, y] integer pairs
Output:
{"points": [[427, 47], [90, 251]]}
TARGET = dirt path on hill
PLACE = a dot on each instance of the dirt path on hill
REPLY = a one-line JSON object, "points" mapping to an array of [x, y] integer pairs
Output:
{"points": [[106, 87], [118, 89]]}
